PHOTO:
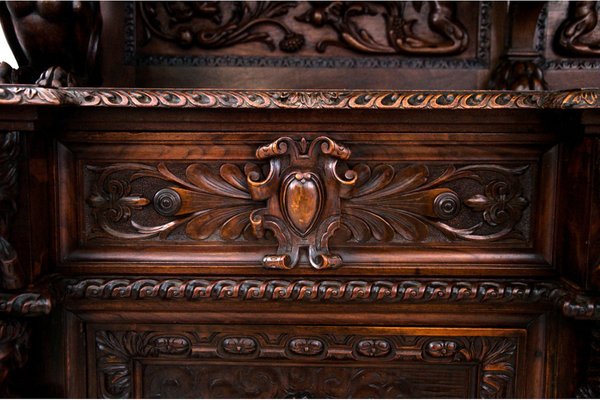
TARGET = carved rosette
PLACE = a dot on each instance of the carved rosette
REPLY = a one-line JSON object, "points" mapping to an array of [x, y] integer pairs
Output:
{"points": [[303, 191]]}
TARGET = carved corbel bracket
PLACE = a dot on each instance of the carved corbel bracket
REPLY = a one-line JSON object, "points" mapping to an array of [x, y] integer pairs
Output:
{"points": [[520, 66], [303, 191]]}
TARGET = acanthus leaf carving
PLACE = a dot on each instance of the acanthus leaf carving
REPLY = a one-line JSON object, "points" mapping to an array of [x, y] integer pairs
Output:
{"points": [[201, 24], [303, 197], [204, 202], [115, 352], [407, 202]]}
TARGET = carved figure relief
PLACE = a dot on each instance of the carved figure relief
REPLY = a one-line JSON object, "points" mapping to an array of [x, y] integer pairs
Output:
{"points": [[115, 351], [303, 197], [209, 25], [578, 34], [58, 40]]}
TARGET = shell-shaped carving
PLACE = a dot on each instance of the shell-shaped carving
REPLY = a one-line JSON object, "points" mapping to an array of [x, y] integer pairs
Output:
{"points": [[306, 346], [373, 347], [239, 345], [301, 200]]}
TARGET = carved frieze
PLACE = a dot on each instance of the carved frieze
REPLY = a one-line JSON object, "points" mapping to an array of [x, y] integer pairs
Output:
{"points": [[385, 28], [115, 350], [305, 197]]}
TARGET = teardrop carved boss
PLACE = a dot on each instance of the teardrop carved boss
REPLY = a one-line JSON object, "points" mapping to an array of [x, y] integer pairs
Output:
{"points": [[303, 192]]}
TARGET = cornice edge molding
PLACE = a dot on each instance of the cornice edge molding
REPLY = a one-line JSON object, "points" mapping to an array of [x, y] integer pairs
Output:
{"points": [[298, 99]]}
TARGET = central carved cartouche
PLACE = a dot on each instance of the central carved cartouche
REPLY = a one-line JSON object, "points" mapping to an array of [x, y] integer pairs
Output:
{"points": [[303, 192], [301, 201]]}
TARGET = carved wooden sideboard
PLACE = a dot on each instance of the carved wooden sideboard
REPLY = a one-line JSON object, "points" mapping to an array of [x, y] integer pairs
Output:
{"points": [[190, 243]]}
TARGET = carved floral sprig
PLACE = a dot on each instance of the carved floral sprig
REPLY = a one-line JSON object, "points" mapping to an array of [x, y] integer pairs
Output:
{"points": [[204, 202], [408, 201]]}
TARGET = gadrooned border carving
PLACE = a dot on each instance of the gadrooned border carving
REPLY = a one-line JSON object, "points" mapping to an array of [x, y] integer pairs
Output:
{"points": [[565, 299]]}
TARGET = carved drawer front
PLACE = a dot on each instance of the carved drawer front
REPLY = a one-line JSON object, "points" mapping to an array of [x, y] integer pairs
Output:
{"points": [[315, 203], [304, 362]]}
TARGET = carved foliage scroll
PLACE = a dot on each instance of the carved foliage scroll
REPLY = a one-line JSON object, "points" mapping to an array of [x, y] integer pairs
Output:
{"points": [[411, 28], [203, 24], [495, 357], [401, 37], [303, 197]]}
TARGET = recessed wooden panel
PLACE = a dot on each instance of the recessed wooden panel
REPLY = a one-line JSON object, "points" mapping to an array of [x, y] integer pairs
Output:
{"points": [[187, 203], [284, 361]]}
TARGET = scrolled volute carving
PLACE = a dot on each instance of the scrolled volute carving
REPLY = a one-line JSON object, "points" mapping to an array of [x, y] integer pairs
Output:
{"points": [[303, 191]]}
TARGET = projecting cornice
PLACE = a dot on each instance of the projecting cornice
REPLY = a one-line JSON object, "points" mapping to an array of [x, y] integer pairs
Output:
{"points": [[303, 99]]}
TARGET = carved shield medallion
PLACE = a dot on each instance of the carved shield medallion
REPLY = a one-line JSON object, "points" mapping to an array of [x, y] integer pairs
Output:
{"points": [[301, 200]]}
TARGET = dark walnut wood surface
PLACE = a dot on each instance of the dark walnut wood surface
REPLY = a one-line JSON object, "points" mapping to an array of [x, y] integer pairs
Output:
{"points": [[223, 243]]}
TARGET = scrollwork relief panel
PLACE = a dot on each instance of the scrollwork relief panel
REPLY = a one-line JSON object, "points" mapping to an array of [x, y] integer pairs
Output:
{"points": [[408, 28], [252, 33], [301, 194]]}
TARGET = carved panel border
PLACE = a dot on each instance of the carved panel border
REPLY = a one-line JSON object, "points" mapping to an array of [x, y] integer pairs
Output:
{"points": [[306, 99], [481, 60], [496, 356]]}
